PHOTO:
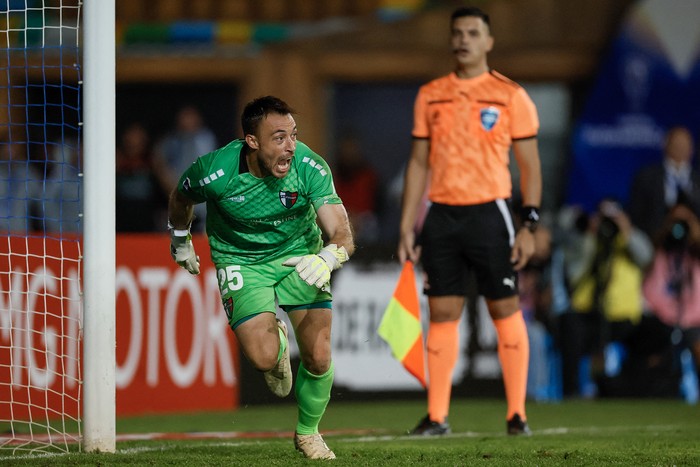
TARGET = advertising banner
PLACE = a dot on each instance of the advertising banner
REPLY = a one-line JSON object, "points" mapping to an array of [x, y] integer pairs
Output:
{"points": [[174, 349], [40, 307], [364, 361]]}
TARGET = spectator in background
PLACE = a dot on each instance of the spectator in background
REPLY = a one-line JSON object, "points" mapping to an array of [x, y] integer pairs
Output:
{"points": [[141, 184], [62, 204], [604, 268], [179, 148], [655, 189], [20, 190], [356, 184], [672, 286]]}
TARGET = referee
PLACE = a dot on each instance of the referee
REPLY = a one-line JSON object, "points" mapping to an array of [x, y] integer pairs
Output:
{"points": [[465, 124]]}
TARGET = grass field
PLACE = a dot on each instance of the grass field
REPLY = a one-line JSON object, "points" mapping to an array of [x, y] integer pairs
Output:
{"points": [[571, 433]]}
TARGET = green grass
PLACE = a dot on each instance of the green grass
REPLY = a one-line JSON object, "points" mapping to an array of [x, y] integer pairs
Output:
{"points": [[572, 433]]}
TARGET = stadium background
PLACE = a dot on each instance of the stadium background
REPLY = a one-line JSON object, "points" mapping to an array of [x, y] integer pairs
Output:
{"points": [[356, 66], [346, 64]]}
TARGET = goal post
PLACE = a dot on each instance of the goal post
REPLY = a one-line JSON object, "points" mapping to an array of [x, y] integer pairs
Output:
{"points": [[57, 226], [99, 357]]}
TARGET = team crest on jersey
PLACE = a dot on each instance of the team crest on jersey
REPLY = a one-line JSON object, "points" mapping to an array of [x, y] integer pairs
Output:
{"points": [[489, 117], [288, 198], [228, 307]]}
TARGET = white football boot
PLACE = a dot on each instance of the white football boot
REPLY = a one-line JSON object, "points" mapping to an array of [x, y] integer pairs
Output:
{"points": [[313, 446]]}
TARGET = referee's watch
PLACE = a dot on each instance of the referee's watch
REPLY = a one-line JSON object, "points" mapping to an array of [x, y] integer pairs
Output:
{"points": [[530, 216]]}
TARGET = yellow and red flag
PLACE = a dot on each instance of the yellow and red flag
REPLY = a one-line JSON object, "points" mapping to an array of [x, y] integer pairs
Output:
{"points": [[401, 326]]}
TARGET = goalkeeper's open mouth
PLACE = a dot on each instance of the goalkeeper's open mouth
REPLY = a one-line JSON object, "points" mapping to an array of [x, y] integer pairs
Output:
{"points": [[283, 165]]}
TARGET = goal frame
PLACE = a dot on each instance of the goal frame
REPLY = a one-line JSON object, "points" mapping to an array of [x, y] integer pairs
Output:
{"points": [[99, 263]]}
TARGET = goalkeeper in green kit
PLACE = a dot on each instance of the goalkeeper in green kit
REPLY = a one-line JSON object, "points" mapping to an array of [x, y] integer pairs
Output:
{"points": [[270, 202]]}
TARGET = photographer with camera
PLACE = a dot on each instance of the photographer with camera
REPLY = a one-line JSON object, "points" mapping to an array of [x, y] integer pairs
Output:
{"points": [[604, 270], [672, 285]]}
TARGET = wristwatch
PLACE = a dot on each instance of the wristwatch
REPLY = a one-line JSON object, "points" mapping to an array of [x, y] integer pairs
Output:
{"points": [[530, 216]]}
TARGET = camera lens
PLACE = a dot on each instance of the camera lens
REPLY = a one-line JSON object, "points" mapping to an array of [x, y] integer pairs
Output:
{"points": [[607, 228], [677, 235], [679, 230]]}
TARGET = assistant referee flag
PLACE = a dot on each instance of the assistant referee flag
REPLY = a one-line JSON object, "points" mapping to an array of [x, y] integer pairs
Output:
{"points": [[401, 326]]}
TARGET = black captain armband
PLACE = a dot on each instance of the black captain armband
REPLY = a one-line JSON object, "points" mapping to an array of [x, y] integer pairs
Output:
{"points": [[530, 216]]}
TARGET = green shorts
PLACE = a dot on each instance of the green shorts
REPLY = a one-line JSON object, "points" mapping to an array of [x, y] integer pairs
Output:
{"points": [[248, 290]]}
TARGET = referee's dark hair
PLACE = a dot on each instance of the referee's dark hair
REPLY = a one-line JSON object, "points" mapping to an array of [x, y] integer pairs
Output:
{"points": [[470, 11]]}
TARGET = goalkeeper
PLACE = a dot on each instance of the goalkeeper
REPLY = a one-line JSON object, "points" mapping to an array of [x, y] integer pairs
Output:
{"points": [[266, 196]]}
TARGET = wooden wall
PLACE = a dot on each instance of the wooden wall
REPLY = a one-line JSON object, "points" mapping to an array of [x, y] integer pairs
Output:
{"points": [[250, 10], [536, 40]]}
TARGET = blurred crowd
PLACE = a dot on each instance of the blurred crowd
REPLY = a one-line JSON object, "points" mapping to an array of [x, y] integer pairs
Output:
{"points": [[611, 298], [148, 170], [40, 192]]}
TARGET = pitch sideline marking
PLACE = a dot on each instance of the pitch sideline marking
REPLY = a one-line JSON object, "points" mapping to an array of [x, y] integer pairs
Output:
{"points": [[247, 437]]}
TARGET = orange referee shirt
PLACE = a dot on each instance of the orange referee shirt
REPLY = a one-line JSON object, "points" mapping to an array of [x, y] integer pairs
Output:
{"points": [[471, 124]]}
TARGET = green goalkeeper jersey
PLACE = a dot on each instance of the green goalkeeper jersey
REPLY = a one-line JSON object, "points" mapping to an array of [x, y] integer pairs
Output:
{"points": [[250, 219]]}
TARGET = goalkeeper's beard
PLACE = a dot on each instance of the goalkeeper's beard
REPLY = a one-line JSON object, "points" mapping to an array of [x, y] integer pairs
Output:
{"points": [[279, 168]]}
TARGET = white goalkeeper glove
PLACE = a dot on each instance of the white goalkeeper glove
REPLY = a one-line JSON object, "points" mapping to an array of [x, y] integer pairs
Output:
{"points": [[182, 250], [316, 269]]}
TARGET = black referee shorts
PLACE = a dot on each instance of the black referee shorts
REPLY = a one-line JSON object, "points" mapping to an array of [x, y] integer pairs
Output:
{"points": [[457, 239]]}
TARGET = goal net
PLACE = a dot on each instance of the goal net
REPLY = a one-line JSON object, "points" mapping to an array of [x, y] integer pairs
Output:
{"points": [[40, 226]]}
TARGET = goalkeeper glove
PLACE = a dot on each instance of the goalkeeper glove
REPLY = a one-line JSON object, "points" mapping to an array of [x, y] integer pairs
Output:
{"points": [[316, 269], [182, 250]]}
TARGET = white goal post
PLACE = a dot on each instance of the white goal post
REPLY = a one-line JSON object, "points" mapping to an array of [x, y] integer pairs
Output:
{"points": [[57, 226], [99, 357]]}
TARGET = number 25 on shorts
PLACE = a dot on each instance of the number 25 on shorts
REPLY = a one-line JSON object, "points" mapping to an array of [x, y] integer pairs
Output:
{"points": [[230, 278]]}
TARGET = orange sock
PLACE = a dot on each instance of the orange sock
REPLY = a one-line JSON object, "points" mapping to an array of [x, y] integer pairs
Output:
{"points": [[513, 352], [443, 350]]}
